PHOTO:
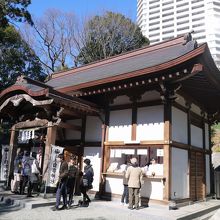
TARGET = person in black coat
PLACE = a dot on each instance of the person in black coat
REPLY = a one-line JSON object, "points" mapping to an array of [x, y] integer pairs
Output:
{"points": [[86, 181]]}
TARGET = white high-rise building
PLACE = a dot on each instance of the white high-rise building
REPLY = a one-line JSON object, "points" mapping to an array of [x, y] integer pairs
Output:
{"points": [[161, 20]]}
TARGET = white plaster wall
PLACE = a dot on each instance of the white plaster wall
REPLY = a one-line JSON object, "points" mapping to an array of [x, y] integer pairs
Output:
{"points": [[119, 100], [93, 129], [94, 154], [72, 134], [152, 188], [114, 185], [196, 136], [180, 100], [206, 136], [179, 126], [180, 176], [120, 125], [207, 159], [149, 96], [150, 123], [195, 109]]}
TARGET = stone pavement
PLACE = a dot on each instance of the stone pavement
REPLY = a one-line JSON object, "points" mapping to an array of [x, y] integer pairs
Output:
{"points": [[38, 208]]}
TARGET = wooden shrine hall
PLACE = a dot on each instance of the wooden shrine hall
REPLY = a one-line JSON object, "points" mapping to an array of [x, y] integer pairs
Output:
{"points": [[155, 102]]}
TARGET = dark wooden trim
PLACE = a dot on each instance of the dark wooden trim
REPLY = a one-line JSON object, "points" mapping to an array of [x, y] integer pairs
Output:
{"points": [[180, 107], [142, 144], [69, 126], [72, 142], [93, 144]]}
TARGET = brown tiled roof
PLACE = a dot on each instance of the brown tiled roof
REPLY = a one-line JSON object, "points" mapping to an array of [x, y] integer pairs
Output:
{"points": [[125, 63]]}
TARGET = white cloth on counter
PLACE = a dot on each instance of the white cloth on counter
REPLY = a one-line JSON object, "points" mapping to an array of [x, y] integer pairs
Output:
{"points": [[157, 169]]}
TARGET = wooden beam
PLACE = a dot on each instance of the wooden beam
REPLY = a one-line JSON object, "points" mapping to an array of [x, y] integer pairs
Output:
{"points": [[69, 126], [31, 124]]}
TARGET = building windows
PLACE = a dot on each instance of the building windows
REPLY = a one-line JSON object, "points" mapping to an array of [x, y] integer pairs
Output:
{"points": [[198, 19], [196, 1], [154, 23], [167, 3], [153, 18], [198, 25], [166, 9], [168, 25], [182, 10], [167, 38], [154, 12], [183, 28], [197, 6], [167, 20], [155, 41], [198, 12], [182, 16], [200, 37], [183, 22], [167, 14], [154, 35], [154, 29], [168, 32], [183, 4]]}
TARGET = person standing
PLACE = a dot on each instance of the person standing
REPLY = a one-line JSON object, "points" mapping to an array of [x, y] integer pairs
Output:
{"points": [[15, 183], [125, 195], [134, 175], [86, 181], [35, 173], [26, 173], [73, 172], [62, 184]]}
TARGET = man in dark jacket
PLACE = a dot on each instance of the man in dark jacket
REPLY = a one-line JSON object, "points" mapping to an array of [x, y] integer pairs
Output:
{"points": [[62, 184]]}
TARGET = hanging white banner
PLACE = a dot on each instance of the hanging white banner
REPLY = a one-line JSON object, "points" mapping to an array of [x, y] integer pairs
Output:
{"points": [[54, 166], [5, 162]]}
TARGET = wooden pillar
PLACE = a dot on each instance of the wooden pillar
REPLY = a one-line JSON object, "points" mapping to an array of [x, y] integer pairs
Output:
{"points": [[134, 121], [50, 139], [204, 155], [188, 105], [167, 150], [12, 153]]}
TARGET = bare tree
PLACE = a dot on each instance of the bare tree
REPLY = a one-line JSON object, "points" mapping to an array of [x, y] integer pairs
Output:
{"points": [[53, 39]]}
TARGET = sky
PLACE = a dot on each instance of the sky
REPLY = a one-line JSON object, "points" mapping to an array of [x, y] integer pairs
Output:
{"points": [[85, 8]]}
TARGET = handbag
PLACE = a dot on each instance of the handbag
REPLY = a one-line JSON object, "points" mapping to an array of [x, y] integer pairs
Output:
{"points": [[85, 182]]}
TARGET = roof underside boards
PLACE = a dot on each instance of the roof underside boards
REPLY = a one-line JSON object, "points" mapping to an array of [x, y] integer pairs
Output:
{"points": [[122, 66]]}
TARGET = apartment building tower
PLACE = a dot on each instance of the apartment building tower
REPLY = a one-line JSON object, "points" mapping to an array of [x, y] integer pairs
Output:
{"points": [[161, 20]]}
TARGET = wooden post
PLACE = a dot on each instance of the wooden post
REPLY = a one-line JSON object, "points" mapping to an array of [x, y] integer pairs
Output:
{"points": [[167, 150], [134, 121], [12, 153], [50, 139]]}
